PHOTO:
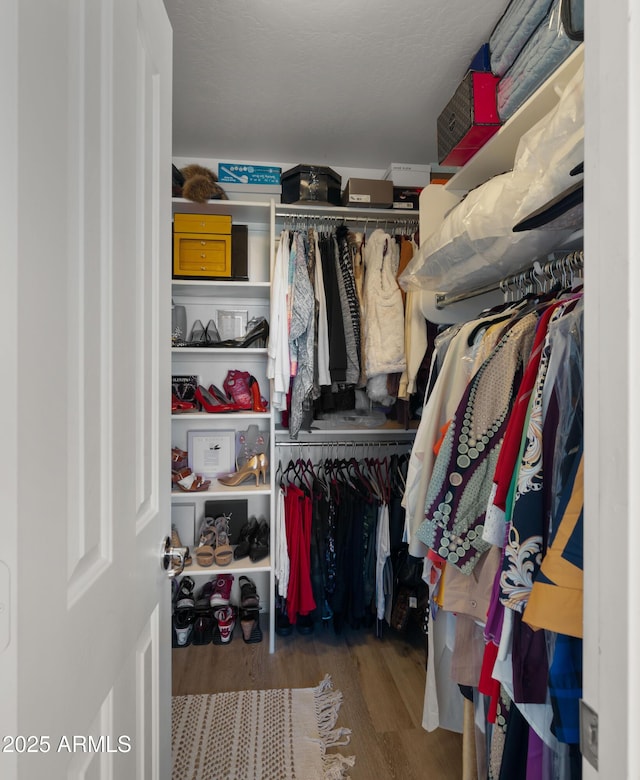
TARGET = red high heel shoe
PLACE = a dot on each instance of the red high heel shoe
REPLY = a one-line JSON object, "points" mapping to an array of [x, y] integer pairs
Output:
{"points": [[178, 406], [244, 389], [259, 404], [211, 404], [217, 393], [236, 386]]}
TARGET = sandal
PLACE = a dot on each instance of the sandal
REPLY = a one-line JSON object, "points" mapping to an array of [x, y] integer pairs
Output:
{"points": [[179, 459], [175, 542], [250, 625], [204, 555], [223, 553], [207, 533], [176, 476], [193, 483], [184, 596], [248, 592]]}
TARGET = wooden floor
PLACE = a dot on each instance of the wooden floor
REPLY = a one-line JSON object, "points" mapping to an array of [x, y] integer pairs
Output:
{"points": [[382, 682]]}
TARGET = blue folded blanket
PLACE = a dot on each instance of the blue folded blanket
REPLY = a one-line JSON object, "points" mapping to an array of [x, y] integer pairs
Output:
{"points": [[514, 29], [547, 48]]}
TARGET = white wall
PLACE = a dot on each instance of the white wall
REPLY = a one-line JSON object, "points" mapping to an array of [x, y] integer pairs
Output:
{"points": [[612, 384]]}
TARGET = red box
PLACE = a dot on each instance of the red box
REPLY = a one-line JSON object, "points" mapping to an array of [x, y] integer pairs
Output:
{"points": [[469, 119]]}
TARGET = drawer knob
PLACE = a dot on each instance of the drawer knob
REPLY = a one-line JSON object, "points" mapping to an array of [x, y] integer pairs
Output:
{"points": [[203, 267], [202, 254], [203, 243]]}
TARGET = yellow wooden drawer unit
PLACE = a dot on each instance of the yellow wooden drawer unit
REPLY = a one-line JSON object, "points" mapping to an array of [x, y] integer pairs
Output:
{"points": [[201, 245]]}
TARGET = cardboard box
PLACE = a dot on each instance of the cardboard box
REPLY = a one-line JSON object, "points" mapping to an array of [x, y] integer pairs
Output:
{"points": [[312, 185], [253, 192], [368, 193], [469, 119], [440, 174], [407, 198], [243, 173], [408, 174]]}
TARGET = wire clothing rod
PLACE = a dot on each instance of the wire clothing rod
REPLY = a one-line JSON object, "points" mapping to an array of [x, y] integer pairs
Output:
{"points": [[348, 443], [526, 281], [338, 218]]}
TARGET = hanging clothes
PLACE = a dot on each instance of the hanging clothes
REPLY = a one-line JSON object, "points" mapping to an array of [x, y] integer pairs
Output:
{"points": [[301, 334], [338, 530], [384, 315], [349, 304], [278, 358], [517, 423]]}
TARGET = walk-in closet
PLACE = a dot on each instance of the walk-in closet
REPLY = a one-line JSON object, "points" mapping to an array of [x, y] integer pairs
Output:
{"points": [[386, 527], [423, 418]]}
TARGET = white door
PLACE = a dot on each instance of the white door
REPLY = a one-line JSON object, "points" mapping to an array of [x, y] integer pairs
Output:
{"points": [[85, 131]]}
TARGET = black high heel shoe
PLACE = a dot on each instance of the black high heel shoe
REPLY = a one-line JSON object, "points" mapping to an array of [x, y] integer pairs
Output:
{"points": [[197, 337], [245, 539], [255, 337], [211, 334], [260, 545], [258, 334]]}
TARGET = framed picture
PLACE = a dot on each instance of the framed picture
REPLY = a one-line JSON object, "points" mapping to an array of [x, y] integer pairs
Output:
{"points": [[232, 323], [211, 453]]}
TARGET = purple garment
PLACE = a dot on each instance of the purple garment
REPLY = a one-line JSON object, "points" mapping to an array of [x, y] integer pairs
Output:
{"points": [[535, 752], [530, 664], [495, 614]]}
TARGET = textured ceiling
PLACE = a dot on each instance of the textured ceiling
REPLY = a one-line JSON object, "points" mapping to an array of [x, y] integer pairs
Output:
{"points": [[357, 83]]}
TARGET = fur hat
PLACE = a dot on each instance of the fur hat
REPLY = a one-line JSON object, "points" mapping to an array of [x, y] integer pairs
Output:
{"points": [[197, 183]]}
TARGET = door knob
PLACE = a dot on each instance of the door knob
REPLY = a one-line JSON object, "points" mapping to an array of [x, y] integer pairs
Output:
{"points": [[168, 554]]}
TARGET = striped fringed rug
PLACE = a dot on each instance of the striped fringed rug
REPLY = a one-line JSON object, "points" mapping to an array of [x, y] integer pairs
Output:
{"points": [[259, 735]]}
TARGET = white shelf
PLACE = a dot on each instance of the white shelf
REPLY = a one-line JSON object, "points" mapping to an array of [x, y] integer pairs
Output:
{"points": [[216, 490], [240, 210], [498, 154], [262, 351], [235, 567], [345, 212], [219, 417], [196, 288]]}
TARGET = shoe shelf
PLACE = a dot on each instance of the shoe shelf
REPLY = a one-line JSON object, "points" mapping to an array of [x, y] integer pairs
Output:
{"points": [[220, 351], [193, 288], [222, 417], [246, 489], [244, 565], [203, 299]]}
